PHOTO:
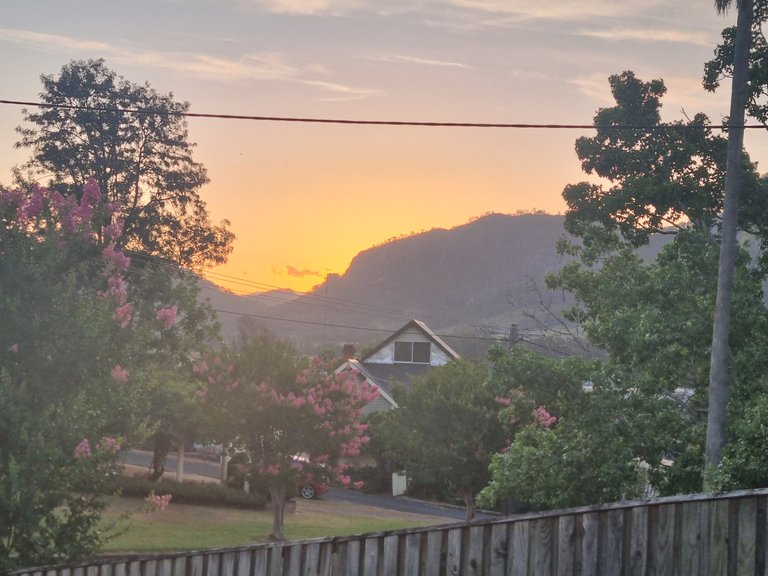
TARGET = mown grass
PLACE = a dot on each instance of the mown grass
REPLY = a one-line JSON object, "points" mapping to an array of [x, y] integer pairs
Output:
{"points": [[187, 527]]}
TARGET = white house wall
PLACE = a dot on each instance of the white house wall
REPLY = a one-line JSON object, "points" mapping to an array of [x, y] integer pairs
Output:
{"points": [[386, 354]]}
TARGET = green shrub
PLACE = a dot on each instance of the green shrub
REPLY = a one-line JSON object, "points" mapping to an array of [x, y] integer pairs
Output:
{"points": [[375, 480], [199, 493]]}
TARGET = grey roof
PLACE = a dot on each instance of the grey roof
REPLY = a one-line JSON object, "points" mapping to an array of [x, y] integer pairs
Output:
{"points": [[385, 375]]}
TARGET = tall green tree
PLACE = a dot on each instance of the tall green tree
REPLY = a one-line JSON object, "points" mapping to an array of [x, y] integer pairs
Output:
{"points": [[134, 142], [654, 177], [446, 429], [654, 320], [718, 373]]}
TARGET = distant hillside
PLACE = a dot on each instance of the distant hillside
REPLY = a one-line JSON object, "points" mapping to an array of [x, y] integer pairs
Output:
{"points": [[231, 307], [487, 272]]}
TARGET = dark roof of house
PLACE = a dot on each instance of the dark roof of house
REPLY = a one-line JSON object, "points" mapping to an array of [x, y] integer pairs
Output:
{"points": [[419, 325], [385, 375]]}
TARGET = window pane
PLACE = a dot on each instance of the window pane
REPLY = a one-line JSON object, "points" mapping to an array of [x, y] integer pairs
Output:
{"points": [[403, 351], [421, 352]]}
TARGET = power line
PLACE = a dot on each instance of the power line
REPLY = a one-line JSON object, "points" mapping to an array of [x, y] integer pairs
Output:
{"points": [[307, 300], [310, 120], [327, 325]]}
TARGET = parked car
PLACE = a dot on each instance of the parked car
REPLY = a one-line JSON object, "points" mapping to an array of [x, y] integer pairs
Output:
{"points": [[307, 486], [311, 489]]}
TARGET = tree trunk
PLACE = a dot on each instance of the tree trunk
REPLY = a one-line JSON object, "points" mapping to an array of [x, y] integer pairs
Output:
{"points": [[180, 461], [162, 447], [469, 505], [277, 494], [224, 460], [718, 373]]}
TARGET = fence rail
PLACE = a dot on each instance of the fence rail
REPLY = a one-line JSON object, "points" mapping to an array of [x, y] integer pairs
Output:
{"points": [[712, 534]]}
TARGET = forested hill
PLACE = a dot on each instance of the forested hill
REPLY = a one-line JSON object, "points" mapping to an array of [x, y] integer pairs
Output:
{"points": [[487, 272]]}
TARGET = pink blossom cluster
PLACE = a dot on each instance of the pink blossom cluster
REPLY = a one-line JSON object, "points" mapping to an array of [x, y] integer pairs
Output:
{"points": [[340, 470], [109, 444], [115, 260], [120, 374], [40, 210], [43, 208], [83, 449], [158, 501], [272, 469], [544, 418], [356, 438], [503, 401], [167, 317], [122, 314], [116, 264]]}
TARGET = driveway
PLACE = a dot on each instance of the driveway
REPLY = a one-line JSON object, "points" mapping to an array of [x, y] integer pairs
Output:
{"points": [[208, 469]]}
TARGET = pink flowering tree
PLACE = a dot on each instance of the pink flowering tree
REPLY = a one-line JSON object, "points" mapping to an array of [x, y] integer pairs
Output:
{"points": [[67, 386], [295, 419]]}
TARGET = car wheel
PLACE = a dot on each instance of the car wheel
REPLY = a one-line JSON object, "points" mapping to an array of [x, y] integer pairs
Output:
{"points": [[307, 492]]}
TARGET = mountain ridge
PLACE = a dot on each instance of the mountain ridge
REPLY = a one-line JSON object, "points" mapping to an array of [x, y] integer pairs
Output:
{"points": [[488, 271]]}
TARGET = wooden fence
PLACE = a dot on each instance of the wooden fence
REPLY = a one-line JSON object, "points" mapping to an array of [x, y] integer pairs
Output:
{"points": [[703, 534]]}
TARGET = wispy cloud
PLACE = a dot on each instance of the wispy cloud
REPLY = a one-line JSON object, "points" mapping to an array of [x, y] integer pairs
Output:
{"points": [[303, 272], [684, 94], [569, 10], [342, 91], [249, 67], [265, 66], [51, 41], [417, 60], [304, 7], [463, 12], [650, 35], [595, 86]]}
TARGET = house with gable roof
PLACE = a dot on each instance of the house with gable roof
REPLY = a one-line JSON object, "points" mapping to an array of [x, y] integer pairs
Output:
{"points": [[408, 353]]}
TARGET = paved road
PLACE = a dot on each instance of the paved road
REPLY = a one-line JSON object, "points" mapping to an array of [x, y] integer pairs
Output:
{"points": [[399, 503]]}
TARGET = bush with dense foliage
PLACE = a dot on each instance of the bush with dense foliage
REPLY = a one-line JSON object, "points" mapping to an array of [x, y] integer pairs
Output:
{"points": [[196, 493]]}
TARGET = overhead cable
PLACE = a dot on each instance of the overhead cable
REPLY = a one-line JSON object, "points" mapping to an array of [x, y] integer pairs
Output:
{"points": [[309, 120]]}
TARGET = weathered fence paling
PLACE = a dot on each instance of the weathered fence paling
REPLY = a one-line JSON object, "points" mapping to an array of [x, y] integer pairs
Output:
{"points": [[710, 534]]}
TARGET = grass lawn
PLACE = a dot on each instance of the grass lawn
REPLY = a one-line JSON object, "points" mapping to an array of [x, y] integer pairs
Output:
{"points": [[186, 527]]}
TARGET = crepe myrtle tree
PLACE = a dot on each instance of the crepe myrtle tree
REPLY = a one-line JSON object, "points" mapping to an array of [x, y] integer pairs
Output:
{"points": [[294, 418], [67, 388]]}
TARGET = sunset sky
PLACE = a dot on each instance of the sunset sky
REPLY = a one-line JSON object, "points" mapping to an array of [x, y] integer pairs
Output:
{"points": [[304, 199]]}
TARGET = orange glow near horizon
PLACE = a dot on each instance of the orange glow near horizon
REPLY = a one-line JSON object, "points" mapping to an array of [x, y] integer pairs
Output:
{"points": [[305, 198], [303, 216]]}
